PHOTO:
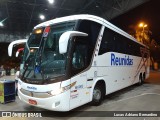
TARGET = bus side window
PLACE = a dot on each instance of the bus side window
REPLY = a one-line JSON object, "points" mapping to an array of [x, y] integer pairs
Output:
{"points": [[79, 56], [108, 42], [84, 46], [78, 60], [92, 29]]}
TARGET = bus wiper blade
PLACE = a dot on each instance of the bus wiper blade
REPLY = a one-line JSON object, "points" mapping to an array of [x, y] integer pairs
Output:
{"points": [[27, 61], [39, 58], [27, 65], [42, 74], [25, 71]]}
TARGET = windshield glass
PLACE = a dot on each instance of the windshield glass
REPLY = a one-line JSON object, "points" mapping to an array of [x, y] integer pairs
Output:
{"points": [[42, 59]]}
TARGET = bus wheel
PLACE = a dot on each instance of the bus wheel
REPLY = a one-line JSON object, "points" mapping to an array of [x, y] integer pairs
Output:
{"points": [[97, 95]]}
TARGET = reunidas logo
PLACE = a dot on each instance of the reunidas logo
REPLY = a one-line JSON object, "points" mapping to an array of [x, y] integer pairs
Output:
{"points": [[121, 61]]}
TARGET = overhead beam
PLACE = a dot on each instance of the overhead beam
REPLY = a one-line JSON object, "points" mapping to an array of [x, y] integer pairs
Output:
{"points": [[122, 7], [60, 7], [87, 5], [31, 15], [37, 4]]}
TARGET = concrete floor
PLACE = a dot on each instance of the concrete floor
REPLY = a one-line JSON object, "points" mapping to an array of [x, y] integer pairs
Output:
{"points": [[133, 98]]}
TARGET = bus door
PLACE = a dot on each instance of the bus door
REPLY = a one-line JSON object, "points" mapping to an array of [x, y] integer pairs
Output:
{"points": [[79, 94]]}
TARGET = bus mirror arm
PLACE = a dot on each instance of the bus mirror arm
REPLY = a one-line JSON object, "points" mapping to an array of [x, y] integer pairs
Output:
{"points": [[18, 51], [10, 47], [64, 38]]}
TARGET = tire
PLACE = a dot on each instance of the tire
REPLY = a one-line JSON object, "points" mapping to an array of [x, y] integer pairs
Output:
{"points": [[97, 95]]}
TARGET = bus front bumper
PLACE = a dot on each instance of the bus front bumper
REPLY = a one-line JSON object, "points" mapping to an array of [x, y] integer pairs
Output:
{"points": [[55, 103]]}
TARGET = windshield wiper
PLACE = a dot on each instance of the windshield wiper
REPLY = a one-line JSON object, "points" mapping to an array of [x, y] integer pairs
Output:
{"points": [[37, 68], [25, 69], [26, 60]]}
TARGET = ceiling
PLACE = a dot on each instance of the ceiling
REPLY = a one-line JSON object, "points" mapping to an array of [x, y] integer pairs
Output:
{"points": [[23, 15]]}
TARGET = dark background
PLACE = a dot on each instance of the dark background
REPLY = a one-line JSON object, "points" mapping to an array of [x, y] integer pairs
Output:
{"points": [[148, 12]]}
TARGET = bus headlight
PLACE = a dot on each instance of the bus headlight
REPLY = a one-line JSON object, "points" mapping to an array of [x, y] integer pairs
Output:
{"points": [[59, 91], [62, 89], [56, 92]]}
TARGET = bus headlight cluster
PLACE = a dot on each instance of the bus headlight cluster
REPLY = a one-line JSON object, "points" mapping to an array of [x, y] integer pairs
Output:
{"points": [[60, 90], [56, 92]]}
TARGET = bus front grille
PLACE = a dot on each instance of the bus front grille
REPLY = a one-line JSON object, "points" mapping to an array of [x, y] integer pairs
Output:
{"points": [[35, 94]]}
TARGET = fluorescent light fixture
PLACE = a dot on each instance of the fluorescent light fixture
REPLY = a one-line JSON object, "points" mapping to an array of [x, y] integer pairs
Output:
{"points": [[1, 24], [51, 1], [42, 17]]}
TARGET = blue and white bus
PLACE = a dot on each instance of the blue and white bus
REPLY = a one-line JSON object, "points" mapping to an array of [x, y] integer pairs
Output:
{"points": [[73, 60]]}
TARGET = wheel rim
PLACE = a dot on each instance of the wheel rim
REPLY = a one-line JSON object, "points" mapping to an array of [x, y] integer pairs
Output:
{"points": [[96, 94]]}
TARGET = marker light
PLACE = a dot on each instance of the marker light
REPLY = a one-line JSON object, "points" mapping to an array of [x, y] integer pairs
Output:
{"points": [[38, 31], [32, 50]]}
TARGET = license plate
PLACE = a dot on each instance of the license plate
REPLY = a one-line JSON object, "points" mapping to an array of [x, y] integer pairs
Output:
{"points": [[33, 102]]}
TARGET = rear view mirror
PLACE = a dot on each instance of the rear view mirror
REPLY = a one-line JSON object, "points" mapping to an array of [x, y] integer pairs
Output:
{"points": [[17, 42], [64, 38]]}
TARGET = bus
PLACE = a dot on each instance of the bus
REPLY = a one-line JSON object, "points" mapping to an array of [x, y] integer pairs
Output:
{"points": [[73, 60]]}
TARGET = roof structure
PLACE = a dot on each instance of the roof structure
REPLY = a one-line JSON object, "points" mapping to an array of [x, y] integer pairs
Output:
{"points": [[23, 15]]}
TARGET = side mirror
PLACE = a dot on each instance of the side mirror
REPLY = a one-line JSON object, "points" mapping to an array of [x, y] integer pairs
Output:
{"points": [[10, 47], [64, 38]]}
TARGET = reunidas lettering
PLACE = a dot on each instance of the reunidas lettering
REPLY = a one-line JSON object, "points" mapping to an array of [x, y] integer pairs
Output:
{"points": [[118, 61]]}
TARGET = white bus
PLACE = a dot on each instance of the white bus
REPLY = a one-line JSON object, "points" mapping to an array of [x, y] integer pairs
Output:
{"points": [[74, 60]]}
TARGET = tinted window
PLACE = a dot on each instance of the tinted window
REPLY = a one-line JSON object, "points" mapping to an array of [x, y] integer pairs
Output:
{"points": [[115, 42], [83, 47]]}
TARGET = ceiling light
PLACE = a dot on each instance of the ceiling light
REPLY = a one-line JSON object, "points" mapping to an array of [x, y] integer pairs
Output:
{"points": [[1, 24], [51, 1], [42, 17]]}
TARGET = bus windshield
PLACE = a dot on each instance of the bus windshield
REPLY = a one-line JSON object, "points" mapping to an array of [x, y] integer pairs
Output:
{"points": [[42, 59]]}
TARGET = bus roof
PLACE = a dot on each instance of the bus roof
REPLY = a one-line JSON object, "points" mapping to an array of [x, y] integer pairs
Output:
{"points": [[87, 17]]}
